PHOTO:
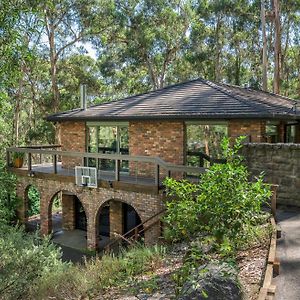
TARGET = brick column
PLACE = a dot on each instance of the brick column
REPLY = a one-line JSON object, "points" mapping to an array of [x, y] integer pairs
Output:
{"points": [[73, 138], [46, 216], [92, 236], [68, 212], [22, 209], [164, 139], [115, 218]]}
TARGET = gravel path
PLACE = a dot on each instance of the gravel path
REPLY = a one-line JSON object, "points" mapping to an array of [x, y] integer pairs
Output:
{"points": [[288, 252]]}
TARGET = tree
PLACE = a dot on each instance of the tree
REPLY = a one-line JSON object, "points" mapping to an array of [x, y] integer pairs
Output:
{"points": [[264, 50], [150, 37], [277, 46]]}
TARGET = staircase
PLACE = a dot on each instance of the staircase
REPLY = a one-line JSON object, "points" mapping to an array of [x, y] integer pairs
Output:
{"points": [[135, 234]]}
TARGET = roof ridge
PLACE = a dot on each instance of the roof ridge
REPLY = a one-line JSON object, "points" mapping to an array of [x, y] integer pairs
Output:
{"points": [[126, 98], [262, 91], [148, 92], [228, 93]]}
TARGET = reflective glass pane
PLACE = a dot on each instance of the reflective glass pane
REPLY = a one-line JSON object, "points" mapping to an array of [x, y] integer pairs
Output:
{"points": [[107, 144], [204, 139], [108, 139], [92, 144], [124, 147]]}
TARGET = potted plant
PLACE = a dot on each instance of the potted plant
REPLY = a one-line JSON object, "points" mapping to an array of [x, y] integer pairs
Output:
{"points": [[18, 158]]}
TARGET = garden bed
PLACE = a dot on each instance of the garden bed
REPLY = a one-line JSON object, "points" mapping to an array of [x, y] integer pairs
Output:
{"points": [[162, 283]]}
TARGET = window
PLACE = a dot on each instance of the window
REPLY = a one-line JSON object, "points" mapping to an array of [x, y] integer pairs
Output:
{"points": [[109, 139], [204, 138], [272, 132], [290, 133]]}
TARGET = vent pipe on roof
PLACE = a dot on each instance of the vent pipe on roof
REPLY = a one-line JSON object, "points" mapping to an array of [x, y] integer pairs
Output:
{"points": [[83, 100]]}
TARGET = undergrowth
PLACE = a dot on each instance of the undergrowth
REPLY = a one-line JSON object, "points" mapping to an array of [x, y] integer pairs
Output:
{"points": [[100, 274]]}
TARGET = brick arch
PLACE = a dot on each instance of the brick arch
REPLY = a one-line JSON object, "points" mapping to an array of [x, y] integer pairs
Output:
{"points": [[81, 199], [46, 225], [94, 232], [102, 203], [145, 204]]}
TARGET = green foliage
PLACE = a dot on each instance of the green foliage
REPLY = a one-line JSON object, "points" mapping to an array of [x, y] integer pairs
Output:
{"points": [[124, 48], [100, 273], [8, 199], [33, 201], [18, 155], [226, 206], [182, 213], [26, 260]]}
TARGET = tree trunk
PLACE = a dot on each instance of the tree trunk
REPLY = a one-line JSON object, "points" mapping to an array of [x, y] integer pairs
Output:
{"points": [[218, 50], [53, 63], [264, 52], [277, 47], [17, 107]]}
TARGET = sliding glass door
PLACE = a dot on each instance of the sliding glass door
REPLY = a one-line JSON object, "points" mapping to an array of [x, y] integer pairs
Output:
{"points": [[108, 139]]}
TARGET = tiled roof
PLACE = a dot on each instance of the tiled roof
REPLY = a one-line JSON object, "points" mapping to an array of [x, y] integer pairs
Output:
{"points": [[196, 99]]}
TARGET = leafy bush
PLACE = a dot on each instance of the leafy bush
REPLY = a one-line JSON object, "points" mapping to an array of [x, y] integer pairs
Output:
{"points": [[34, 201], [8, 199], [26, 261], [226, 205]]}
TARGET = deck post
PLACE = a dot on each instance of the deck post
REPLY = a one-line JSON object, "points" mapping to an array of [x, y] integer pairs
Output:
{"points": [[117, 170], [29, 162], [157, 176], [55, 163], [274, 188]]}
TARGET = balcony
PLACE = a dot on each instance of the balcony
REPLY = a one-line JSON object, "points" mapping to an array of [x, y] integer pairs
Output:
{"points": [[112, 170]]}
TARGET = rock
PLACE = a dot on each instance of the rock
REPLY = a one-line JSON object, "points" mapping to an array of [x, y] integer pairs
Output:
{"points": [[212, 282], [142, 296]]}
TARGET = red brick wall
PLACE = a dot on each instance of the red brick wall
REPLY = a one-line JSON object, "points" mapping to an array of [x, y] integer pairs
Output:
{"points": [[255, 129], [68, 212], [72, 135], [165, 139], [146, 205], [116, 218]]}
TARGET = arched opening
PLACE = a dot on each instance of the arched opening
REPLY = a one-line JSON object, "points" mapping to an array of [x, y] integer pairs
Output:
{"points": [[116, 218], [32, 208], [68, 220], [56, 213]]}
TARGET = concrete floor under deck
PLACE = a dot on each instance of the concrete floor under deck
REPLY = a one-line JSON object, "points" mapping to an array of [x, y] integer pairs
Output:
{"points": [[74, 239]]}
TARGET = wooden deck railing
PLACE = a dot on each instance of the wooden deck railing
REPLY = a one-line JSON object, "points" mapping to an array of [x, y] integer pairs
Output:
{"points": [[158, 163], [202, 157]]}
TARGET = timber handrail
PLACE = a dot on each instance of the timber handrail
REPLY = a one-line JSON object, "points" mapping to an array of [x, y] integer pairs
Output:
{"points": [[203, 156], [135, 230], [145, 159], [40, 146]]}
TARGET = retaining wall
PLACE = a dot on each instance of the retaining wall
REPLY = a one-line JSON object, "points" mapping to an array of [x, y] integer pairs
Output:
{"points": [[281, 165]]}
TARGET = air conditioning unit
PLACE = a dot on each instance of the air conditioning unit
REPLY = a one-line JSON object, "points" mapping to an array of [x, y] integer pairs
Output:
{"points": [[86, 176]]}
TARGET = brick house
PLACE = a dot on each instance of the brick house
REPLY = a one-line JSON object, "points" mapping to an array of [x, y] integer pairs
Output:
{"points": [[174, 125]]}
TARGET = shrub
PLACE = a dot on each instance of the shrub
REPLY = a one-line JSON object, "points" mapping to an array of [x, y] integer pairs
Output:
{"points": [[25, 261], [226, 204], [8, 199], [34, 201], [99, 274]]}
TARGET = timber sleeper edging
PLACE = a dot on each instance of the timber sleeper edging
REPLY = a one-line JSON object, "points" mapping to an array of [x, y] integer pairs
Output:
{"points": [[267, 290]]}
